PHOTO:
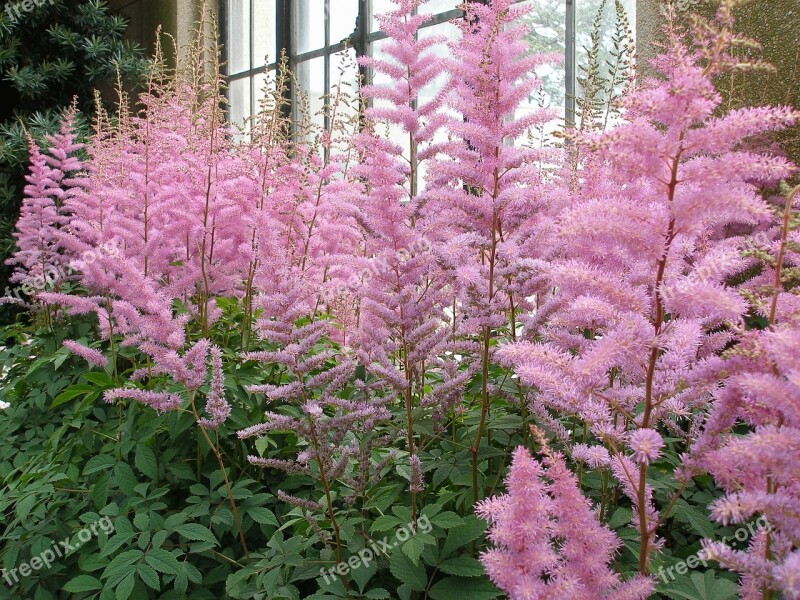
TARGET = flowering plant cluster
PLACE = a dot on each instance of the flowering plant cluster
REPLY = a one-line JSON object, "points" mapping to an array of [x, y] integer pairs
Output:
{"points": [[379, 329]]}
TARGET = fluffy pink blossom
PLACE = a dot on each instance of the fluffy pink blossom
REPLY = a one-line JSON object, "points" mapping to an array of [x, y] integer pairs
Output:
{"points": [[646, 445], [546, 540], [90, 355]]}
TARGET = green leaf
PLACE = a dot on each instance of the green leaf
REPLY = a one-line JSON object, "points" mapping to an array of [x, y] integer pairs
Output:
{"points": [[459, 537], [126, 480], [82, 583], [100, 379], [447, 520], [149, 576], [141, 520], [25, 506], [163, 561], [262, 515], [698, 519], [465, 566], [459, 588], [407, 572], [413, 548], [125, 587], [99, 463], [622, 516], [702, 586], [385, 523], [197, 532], [71, 392], [145, 461]]}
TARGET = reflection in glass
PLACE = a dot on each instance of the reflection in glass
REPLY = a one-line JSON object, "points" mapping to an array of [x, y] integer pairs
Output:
{"points": [[309, 25], [264, 32], [238, 36]]}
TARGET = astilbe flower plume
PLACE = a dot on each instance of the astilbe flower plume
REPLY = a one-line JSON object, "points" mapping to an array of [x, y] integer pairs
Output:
{"points": [[54, 176], [484, 214], [547, 540], [641, 302], [402, 333], [758, 470], [90, 355]]}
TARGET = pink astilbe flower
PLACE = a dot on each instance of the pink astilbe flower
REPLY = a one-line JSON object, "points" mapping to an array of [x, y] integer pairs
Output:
{"points": [[547, 540], [642, 264], [336, 429], [759, 471], [90, 355], [217, 407], [402, 332], [40, 258], [646, 445], [159, 401]]}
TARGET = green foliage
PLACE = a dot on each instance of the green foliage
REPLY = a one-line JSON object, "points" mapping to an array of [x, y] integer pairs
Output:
{"points": [[68, 461], [49, 56]]}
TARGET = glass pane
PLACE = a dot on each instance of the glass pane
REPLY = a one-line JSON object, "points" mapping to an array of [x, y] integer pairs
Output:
{"points": [[547, 22], [380, 7], [440, 6], [264, 32], [344, 84], [311, 77], [239, 93], [612, 30], [343, 18], [309, 25], [238, 36], [395, 133]]}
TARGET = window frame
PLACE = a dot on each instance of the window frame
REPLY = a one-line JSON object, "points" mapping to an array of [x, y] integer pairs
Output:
{"points": [[361, 40]]}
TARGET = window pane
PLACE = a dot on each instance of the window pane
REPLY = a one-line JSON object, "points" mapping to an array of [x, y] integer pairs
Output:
{"points": [[344, 82], [614, 31], [311, 77], [309, 25], [238, 35], [440, 6], [343, 18], [264, 32], [240, 100], [547, 22]]}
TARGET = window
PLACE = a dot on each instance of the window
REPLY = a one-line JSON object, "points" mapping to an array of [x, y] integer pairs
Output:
{"points": [[317, 32]]}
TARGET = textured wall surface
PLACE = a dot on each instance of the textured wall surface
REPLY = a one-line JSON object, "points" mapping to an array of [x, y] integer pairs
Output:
{"points": [[773, 23], [145, 16]]}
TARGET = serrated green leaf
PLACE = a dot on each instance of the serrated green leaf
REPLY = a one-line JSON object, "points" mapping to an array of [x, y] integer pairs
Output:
{"points": [[447, 520], [197, 532], [82, 583], [149, 576], [413, 548], [262, 515], [407, 572], [385, 523], [163, 561], [460, 536], [463, 566], [125, 587], [145, 461]]}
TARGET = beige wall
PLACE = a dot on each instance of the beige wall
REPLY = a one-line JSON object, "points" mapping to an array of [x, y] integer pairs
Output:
{"points": [[773, 23], [176, 18]]}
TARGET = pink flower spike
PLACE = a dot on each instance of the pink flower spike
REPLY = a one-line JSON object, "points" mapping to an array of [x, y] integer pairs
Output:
{"points": [[90, 355]]}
